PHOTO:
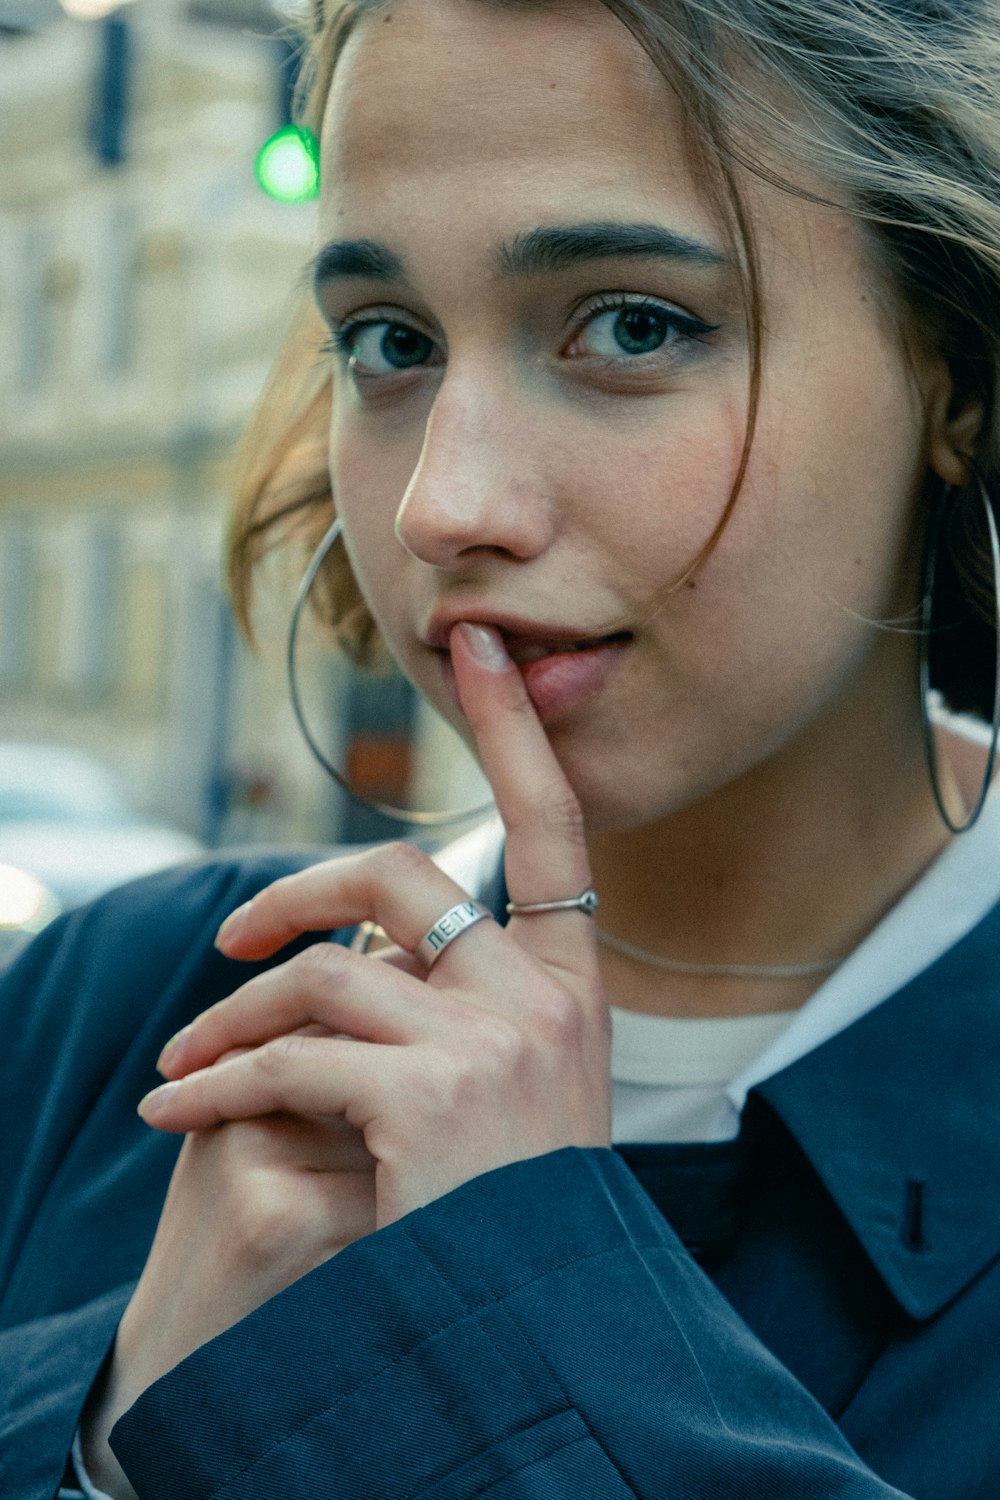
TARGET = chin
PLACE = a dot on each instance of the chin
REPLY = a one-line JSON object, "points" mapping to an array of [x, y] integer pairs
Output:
{"points": [[614, 799]]}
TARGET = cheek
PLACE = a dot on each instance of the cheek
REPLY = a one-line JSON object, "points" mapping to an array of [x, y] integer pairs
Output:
{"points": [[368, 472], [654, 496], [822, 539], [841, 453], [368, 480], [840, 519]]}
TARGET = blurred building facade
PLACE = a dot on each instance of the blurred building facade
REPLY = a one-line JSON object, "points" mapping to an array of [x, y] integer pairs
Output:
{"points": [[145, 281]]}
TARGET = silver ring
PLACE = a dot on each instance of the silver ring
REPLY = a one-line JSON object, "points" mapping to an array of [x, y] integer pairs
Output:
{"points": [[364, 937], [455, 921], [585, 902]]}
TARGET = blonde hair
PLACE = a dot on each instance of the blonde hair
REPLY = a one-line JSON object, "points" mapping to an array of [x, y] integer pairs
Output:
{"points": [[895, 104]]}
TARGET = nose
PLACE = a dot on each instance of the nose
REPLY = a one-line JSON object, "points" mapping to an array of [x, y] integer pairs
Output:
{"points": [[478, 487]]}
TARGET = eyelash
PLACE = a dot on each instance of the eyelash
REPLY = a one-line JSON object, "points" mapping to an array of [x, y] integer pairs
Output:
{"points": [[684, 324], [342, 338]]}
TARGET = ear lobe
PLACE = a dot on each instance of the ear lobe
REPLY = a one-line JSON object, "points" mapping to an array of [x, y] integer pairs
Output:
{"points": [[953, 427]]}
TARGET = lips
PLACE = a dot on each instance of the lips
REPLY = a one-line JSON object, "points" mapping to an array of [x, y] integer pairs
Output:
{"points": [[521, 636], [562, 667], [526, 649]]}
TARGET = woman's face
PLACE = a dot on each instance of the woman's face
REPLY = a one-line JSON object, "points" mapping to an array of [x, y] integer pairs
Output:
{"points": [[540, 397]]}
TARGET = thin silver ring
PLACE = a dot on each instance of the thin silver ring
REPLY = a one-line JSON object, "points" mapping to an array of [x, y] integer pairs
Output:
{"points": [[585, 902], [364, 937], [450, 925]]}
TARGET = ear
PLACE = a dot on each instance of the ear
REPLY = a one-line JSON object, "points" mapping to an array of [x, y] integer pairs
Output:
{"points": [[954, 422]]}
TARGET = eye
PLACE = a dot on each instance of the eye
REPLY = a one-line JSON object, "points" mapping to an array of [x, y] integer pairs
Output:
{"points": [[630, 328], [377, 346]]}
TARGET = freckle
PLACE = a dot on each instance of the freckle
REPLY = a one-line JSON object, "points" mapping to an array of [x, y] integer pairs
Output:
{"points": [[691, 584], [858, 561]]}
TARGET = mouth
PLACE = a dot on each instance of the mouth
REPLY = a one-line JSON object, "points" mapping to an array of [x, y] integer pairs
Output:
{"points": [[524, 638], [561, 672], [523, 650]]}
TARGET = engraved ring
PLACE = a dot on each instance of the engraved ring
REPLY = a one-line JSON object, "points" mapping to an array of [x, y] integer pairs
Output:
{"points": [[447, 928]]}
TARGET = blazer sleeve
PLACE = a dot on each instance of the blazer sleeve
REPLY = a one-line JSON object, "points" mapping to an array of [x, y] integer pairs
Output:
{"points": [[84, 1010], [48, 1367], [537, 1334]]}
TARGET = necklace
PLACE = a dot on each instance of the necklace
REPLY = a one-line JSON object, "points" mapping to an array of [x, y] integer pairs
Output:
{"points": [[716, 971]]}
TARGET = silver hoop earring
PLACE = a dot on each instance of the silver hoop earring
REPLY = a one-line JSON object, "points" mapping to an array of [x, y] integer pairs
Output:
{"points": [[399, 814], [926, 609]]}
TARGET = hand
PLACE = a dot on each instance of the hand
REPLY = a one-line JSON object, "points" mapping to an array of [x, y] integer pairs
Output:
{"points": [[251, 1207], [498, 1053]]}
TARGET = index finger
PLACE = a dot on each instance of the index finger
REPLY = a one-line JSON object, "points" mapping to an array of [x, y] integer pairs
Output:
{"points": [[546, 851]]}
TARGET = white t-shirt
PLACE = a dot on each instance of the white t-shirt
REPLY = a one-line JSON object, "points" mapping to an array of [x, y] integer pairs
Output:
{"points": [[687, 1080]]}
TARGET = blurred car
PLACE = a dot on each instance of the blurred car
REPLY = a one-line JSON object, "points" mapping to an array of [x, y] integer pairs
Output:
{"points": [[67, 833]]}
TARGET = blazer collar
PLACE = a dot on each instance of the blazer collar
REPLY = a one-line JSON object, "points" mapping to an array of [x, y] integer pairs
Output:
{"points": [[899, 1115]]}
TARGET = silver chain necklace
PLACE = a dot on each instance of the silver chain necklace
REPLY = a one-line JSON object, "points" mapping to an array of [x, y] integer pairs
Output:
{"points": [[716, 971]]}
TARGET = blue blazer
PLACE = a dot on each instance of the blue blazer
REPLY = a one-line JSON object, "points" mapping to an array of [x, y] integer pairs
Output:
{"points": [[810, 1311]]}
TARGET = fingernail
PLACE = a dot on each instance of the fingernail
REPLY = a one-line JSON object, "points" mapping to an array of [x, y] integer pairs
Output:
{"points": [[233, 922], [485, 645], [172, 1046], [153, 1102]]}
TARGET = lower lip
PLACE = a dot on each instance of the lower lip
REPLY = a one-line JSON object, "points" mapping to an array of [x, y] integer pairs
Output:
{"points": [[559, 683]]}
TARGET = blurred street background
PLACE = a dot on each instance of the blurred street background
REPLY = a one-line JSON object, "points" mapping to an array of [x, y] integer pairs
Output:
{"points": [[146, 278]]}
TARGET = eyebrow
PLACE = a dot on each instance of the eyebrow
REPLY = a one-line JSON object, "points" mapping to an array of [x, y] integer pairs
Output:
{"points": [[553, 249], [537, 251], [368, 259]]}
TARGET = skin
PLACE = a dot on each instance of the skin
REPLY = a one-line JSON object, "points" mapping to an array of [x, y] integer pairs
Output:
{"points": [[767, 801]]}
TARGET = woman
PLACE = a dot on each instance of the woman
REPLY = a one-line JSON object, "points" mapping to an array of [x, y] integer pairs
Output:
{"points": [[663, 344]]}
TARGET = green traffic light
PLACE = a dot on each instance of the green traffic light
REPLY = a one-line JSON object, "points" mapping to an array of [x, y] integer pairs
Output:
{"points": [[287, 165]]}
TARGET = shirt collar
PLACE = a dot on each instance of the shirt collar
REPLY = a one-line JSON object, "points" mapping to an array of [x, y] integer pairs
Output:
{"points": [[952, 895]]}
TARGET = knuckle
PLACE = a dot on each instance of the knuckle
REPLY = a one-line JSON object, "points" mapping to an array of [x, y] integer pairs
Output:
{"points": [[319, 963], [239, 1145], [232, 1053], [460, 1087], [399, 859], [558, 1018], [267, 1216], [278, 1222], [437, 1090], [500, 1039], [555, 814], [273, 1058]]}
